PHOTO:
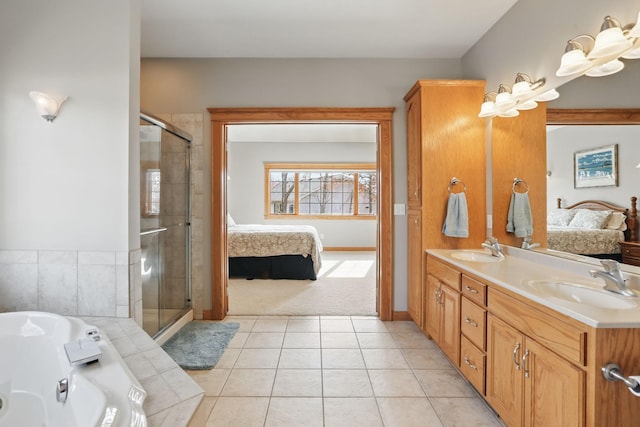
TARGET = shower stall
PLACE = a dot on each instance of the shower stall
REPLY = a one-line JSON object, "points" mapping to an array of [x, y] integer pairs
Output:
{"points": [[164, 223]]}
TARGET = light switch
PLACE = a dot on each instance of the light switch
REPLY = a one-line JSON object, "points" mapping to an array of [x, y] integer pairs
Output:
{"points": [[398, 209]]}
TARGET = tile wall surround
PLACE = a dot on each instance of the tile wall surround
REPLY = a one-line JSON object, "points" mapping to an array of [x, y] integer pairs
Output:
{"points": [[102, 283]]}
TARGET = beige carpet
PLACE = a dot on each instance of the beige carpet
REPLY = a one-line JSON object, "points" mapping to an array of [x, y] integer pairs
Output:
{"points": [[346, 285]]}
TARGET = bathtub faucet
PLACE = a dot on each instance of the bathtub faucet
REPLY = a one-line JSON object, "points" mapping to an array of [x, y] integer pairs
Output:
{"points": [[613, 278], [61, 390]]}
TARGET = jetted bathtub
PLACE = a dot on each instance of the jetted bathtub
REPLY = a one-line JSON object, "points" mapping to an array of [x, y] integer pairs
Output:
{"points": [[33, 361]]}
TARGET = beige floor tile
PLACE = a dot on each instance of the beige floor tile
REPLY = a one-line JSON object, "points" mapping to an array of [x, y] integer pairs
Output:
{"points": [[300, 358], [408, 412], [395, 383], [296, 411], [426, 359], [346, 383], [246, 322], [402, 327], [211, 381], [384, 358], [264, 340], [339, 340], [352, 412], [304, 325], [301, 340], [228, 358], [368, 325], [239, 411], [258, 358], [335, 325], [342, 358], [201, 415], [464, 412], [413, 340], [298, 383], [249, 382], [375, 340], [270, 325], [238, 340], [444, 383]]}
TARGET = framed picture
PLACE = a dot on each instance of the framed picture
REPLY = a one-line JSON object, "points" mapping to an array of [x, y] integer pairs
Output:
{"points": [[597, 167]]}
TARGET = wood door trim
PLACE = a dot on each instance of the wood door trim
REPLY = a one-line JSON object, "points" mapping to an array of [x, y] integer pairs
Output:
{"points": [[593, 116], [221, 117]]}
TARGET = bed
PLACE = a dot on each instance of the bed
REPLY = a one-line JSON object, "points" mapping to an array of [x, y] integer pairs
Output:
{"points": [[592, 227], [273, 251]]}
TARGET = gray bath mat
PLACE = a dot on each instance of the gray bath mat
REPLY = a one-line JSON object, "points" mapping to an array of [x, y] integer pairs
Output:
{"points": [[199, 344]]}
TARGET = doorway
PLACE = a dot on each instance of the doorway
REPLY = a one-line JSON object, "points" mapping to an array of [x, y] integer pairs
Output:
{"points": [[221, 117]]}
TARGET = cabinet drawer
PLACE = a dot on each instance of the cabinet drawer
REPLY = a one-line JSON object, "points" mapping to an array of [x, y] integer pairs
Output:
{"points": [[474, 290], [561, 337], [473, 323], [472, 364], [446, 274]]}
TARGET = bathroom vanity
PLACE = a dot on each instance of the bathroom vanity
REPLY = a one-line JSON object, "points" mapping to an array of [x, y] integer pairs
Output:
{"points": [[532, 332]]}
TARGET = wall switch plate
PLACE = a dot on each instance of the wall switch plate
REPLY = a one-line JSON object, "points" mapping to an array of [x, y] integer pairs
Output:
{"points": [[398, 209], [489, 221]]}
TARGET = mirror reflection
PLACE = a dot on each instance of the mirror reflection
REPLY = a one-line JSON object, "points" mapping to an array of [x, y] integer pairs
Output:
{"points": [[592, 176]]}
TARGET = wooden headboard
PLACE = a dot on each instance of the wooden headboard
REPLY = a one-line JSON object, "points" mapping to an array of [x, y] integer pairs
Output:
{"points": [[631, 234]]}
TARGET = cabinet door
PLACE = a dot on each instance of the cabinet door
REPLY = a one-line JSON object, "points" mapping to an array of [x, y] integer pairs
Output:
{"points": [[450, 324], [504, 384], [432, 308], [415, 257], [414, 151], [554, 389]]}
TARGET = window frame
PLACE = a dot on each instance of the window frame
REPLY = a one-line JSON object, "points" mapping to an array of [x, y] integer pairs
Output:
{"points": [[353, 168]]}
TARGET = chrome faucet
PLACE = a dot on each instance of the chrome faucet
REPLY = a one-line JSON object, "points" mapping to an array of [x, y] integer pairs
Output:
{"points": [[526, 243], [492, 244], [61, 390], [613, 278]]}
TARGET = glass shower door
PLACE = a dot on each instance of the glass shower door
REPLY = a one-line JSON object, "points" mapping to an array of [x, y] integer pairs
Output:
{"points": [[164, 224]]}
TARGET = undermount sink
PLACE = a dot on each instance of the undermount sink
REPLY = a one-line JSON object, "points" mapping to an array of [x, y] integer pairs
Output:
{"points": [[581, 294], [475, 256]]}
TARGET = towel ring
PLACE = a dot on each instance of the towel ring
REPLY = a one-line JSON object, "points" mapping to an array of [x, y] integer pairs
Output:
{"points": [[455, 181], [518, 181]]}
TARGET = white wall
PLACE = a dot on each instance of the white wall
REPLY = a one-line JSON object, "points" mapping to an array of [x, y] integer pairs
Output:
{"points": [[245, 199], [69, 203], [192, 85], [563, 142]]}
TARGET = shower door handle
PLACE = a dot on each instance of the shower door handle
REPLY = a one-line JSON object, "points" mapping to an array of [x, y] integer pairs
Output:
{"points": [[153, 231]]}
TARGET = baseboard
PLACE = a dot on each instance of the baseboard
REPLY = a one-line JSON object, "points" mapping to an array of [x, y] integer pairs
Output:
{"points": [[402, 316], [171, 330], [349, 248]]}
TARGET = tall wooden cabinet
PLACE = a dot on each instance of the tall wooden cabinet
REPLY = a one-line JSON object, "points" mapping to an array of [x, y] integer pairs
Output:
{"points": [[445, 139]]}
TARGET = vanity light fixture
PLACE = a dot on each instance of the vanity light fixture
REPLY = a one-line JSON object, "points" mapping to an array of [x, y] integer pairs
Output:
{"points": [[599, 56], [523, 96], [48, 106], [504, 101], [487, 109]]}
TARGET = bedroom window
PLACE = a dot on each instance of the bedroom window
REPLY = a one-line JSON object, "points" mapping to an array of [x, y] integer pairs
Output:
{"points": [[321, 190]]}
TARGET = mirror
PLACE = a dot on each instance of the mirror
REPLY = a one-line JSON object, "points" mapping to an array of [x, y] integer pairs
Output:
{"points": [[571, 131]]}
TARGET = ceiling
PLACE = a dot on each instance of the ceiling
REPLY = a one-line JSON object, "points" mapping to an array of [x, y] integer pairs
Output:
{"points": [[315, 28]]}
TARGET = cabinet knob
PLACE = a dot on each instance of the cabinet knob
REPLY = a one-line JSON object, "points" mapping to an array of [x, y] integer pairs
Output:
{"points": [[470, 364], [515, 356]]}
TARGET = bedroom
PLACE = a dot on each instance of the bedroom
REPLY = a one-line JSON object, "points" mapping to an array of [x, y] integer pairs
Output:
{"points": [[346, 244], [563, 143]]}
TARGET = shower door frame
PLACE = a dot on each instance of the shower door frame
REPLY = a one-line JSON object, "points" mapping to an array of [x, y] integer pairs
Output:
{"points": [[221, 117]]}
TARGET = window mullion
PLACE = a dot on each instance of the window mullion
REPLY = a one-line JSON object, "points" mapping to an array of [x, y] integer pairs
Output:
{"points": [[297, 194], [355, 194]]}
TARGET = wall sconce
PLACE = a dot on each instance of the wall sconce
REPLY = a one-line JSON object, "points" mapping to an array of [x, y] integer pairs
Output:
{"points": [[507, 101], [47, 106], [599, 56]]}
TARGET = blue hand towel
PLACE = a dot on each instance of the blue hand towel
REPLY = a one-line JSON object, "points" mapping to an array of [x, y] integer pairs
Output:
{"points": [[519, 218], [456, 224]]}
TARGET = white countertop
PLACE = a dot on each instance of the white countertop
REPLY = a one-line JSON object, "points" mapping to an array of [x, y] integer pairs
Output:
{"points": [[521, 266]]}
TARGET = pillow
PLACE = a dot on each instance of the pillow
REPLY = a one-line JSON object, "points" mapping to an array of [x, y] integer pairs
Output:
{"points": [[589, 219], [230, 220], [560, 217], [616, 221]]}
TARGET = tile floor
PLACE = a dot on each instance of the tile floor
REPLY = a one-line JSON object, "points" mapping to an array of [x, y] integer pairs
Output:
{"points": [[335, 371]]}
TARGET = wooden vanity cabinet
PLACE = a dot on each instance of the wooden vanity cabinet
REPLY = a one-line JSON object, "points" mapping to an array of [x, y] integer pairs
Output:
{"points": [[442, 319], [416, 259], [473, 315]]}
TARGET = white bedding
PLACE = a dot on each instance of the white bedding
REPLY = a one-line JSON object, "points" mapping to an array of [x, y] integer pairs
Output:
{"points": [[259, 240]]}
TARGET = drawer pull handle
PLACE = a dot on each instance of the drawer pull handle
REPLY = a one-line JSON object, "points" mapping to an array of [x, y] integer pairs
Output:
{"points": [[470, 322], [515, 356], [470, 289], [524, 363], [471, 365]]}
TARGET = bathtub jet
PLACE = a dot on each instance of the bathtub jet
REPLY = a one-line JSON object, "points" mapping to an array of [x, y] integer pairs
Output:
{"points": [[39, 386]]}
